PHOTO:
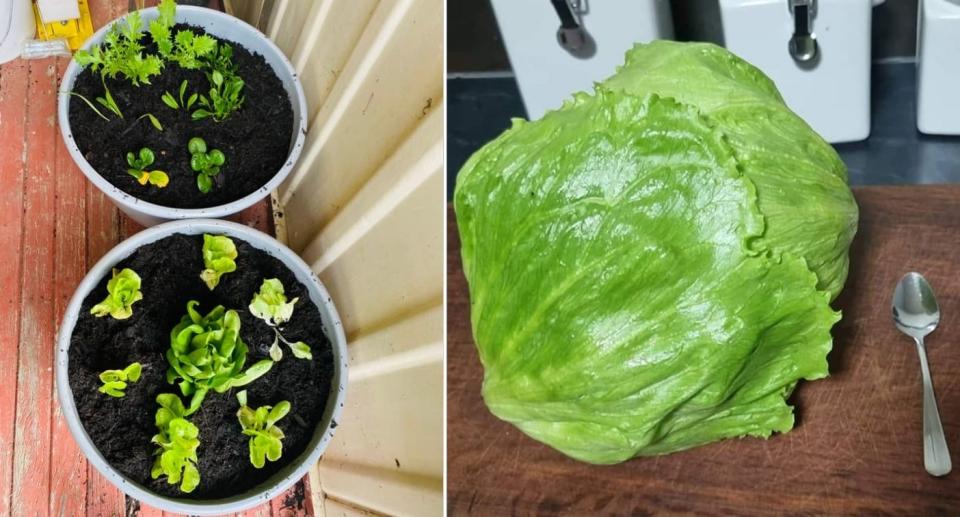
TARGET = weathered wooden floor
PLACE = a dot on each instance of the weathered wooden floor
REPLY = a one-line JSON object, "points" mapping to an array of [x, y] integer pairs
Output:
{"points": [[53, 225]]}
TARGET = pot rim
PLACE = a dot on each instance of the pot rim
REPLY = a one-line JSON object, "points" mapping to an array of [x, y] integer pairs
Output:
{"points": [[333, 328], [153, 210]]}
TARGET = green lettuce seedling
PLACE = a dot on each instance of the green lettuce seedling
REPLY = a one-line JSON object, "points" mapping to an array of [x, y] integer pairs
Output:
{"points": [[107, 101], [186, 48], [115, 381], [171, 101], [260, 425], [177, 444], [121, 53], [205, 164], [207, 353], [123, 291], [138, 164], [219, 254], [221, 60], [271, 306], [224, 97]]}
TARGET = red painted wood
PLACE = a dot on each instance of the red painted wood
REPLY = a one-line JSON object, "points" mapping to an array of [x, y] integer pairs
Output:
{"points": [[68, 472], [13, 96], [149, 511], [31, 443]]}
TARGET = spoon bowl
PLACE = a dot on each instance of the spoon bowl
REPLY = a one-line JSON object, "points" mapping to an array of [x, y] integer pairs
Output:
{"points": [[915, 309]]}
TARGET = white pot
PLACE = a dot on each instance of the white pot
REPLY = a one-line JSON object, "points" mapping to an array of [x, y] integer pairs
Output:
{"points": [[333, 329], [225, 27]]}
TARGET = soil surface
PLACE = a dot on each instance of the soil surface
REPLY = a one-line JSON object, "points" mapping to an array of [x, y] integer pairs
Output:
{"points": [[255, 139], [121, 428]]}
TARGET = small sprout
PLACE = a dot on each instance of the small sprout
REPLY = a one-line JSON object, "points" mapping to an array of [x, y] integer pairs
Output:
{"points": [[260, 425], [115, 381], [171, 101], [271, 306], [219, 254], [138, 164], [206, 164], [153, 121], [107, 101], [207, 353], [87, 101], [124, 290], [177, 444], [224, 97]]}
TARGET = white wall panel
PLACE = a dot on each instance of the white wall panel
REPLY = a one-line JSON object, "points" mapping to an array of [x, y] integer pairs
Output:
{"points": [[365, 207]]}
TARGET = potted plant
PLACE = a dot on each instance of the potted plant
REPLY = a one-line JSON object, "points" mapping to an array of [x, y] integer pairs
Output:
{"points": [[201, 367], [179, 112]]}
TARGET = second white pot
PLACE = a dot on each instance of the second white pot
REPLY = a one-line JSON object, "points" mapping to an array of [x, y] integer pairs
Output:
{"points": [[332, 327]]}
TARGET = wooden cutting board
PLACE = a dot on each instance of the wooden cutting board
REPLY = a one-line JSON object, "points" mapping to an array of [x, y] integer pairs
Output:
{"points": [[857, 447]]}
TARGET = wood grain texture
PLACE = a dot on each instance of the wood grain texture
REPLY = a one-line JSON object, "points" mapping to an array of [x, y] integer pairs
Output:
{"points": [[31, 443], [13, 114], [857, 448], [68, 470]]}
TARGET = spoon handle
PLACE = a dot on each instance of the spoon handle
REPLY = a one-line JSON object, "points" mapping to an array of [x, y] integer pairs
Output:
{"points": [[936, 456]]}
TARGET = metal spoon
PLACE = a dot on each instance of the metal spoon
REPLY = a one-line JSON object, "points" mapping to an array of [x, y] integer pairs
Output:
{"points": [[916, 314]]}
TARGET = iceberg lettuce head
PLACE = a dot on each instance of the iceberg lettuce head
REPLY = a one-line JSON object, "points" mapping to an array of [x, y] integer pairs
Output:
{"points": [[651, 266]]}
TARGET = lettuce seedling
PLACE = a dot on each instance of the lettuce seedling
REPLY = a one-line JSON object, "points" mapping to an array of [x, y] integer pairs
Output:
{"points": [[177, 444], [260, 425], [123, 291], [205, 164], [171, 101], [154, 121], [107, 101], [121, 53], [271, 306], [221, 60], [219, 255], [224, 97], [186, 48], [115, 381], [161, 25], [207, 353], [138, 164]]}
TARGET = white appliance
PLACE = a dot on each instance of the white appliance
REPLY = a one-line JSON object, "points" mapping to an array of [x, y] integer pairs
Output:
{"points": [[938, 67], [16, 27], [816, 51], [559, 47]]}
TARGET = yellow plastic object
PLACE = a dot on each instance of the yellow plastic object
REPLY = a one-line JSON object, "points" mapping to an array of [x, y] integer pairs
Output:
{"points": [[74, 31]]}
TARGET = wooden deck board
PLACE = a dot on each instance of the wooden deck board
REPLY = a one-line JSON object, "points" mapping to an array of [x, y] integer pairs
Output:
{"points": [[13, 95], [31, 443], [68, 474], [54, 225]]}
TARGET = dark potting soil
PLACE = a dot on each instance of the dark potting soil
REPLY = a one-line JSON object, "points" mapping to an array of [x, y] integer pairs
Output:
{"points": [[255, 139], [121, 428]]}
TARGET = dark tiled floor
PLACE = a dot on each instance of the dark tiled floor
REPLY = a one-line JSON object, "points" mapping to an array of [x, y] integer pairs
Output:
{"points": [[895, 153]]}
